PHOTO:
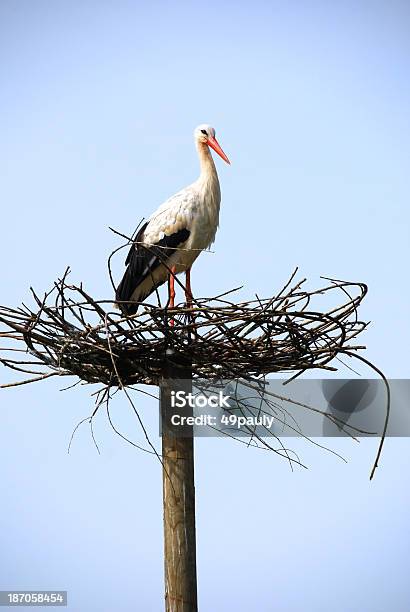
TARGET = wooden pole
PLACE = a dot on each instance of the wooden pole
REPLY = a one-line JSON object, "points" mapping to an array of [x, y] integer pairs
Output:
{"points": [[178, 495]]}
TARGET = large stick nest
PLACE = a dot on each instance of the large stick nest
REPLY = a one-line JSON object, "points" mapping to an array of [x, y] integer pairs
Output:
{"points": [[70, 333]]}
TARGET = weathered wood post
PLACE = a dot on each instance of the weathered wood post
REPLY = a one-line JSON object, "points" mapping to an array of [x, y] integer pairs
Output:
{"points": [[178, 493]]}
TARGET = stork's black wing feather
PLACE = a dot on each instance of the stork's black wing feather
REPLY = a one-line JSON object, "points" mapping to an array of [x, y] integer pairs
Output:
{"points": [[137, 238], [142, 261]]}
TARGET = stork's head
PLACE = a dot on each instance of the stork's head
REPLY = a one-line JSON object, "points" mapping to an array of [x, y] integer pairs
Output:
{"points": [[205, 134]]}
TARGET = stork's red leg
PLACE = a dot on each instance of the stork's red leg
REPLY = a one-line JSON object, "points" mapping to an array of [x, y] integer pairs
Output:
{"points": [[188, 290], [172, 288], [172, 291]]}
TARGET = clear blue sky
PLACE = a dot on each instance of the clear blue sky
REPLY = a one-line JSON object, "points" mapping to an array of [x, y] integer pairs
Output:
{"points": [[310, 101]]}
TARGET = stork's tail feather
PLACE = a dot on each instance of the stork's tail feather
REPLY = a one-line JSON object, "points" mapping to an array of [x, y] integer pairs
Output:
{"points": [[123, 294], [127, 309]]}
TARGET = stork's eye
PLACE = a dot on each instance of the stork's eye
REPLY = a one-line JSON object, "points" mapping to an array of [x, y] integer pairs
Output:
{"points": [[204, 132]]}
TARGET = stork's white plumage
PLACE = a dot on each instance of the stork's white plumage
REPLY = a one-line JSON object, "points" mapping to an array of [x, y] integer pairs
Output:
{"points": [[176, 233]]}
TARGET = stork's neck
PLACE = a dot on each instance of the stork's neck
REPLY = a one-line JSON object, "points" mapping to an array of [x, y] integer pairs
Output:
{"points": [[208, 186], [208, 176]]}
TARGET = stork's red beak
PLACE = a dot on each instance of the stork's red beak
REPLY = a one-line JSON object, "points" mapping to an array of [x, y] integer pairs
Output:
{"points": [[213, 143]]}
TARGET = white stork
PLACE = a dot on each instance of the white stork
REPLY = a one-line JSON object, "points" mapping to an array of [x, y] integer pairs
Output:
{"points": [[173, 237]]}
